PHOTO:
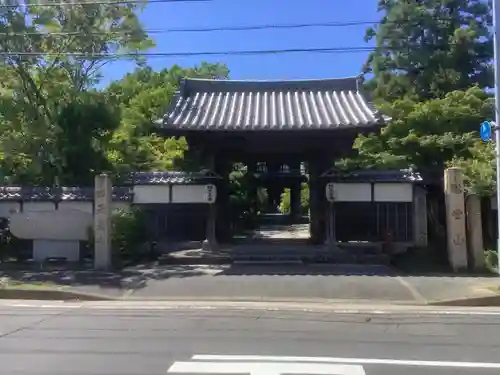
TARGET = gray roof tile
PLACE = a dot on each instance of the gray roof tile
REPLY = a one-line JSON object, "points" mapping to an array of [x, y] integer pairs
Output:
{"points": [[172, 178], [270, 105], [374, 175], [16, 193]]}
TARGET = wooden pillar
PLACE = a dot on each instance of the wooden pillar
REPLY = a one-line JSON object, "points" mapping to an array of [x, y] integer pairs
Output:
{"points": [[295, 204], [272, 190], [252, 186], [223, 223], [210, 243], [295, 192], [317, 201]]}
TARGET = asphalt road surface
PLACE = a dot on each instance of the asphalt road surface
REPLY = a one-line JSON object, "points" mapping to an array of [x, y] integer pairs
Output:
{"points": [[144, 341]]}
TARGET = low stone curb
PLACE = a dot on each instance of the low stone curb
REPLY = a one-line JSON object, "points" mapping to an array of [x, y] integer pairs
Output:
{"points": [[195, 261], [484, 301], [254, 259], [51, 294]]}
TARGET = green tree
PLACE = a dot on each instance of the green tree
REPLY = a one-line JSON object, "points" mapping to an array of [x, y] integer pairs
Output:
{"points": [[479, 169], [84, 130], [427, 135], [50, 56], [428, 48], [143, 97]]}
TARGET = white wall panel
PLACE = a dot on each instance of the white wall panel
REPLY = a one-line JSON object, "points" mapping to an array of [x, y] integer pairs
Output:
{"points": [[353, 192], [144, 194], [189, 194], [43, 249], [78, 205], [51, 225], [38, 206], [393, 192], [7, 208]]}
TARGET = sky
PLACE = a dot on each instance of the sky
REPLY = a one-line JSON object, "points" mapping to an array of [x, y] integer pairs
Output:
{"points": [[229, 13]]}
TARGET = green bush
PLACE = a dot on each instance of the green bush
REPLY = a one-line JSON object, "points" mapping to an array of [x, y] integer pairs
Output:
{"points": [[128, 233], [304, 200], [491, 260]]}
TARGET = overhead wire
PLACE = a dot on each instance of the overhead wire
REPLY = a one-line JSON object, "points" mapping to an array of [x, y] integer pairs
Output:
{"points": [[50, 4], [214, 29], [103, 56], [196, 30]]}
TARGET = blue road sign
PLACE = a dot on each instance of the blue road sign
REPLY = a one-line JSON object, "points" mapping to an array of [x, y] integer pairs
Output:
{"points": [[485, 131]]}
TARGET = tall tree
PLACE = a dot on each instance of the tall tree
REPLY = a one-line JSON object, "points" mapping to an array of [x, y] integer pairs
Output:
{"points": [[143, 97], [430, 135], [49, 55], [427, 48]]}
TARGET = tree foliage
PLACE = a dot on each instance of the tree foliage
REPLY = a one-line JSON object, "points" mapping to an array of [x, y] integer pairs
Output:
{"points": [[430, 70], [54, 126], [143, 97], [428, 48], [425, 135], [50, 57]]}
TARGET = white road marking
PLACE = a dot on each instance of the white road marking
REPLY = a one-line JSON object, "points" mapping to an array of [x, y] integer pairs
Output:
{"points": [[263, 368], [359, 361], [334, 308]]}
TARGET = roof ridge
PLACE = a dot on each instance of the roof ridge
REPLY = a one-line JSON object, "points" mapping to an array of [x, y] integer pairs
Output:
{"points": [[271, 80]]}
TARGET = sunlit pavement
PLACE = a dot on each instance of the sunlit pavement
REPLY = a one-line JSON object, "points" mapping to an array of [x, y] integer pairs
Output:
{"points": [[130, 338]]}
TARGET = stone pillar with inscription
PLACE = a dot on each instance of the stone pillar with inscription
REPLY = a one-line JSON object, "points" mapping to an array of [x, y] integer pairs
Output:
{"points": [[475, 232], [455, 218], [102, 222]]}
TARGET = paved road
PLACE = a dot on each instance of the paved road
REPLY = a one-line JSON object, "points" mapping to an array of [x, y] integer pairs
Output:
{"points": [[265, 282], [150, 341]]}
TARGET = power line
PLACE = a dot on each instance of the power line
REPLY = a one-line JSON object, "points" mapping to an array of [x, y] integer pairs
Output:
{"points": [[211, 29], [102, 2], [206, 29], [100, 56]]}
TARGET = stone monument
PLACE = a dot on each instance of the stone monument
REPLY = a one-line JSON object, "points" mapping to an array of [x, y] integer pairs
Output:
{"points": [[102, 222], [455, 218]]}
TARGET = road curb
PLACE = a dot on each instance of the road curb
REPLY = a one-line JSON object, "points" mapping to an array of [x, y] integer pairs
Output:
{"points": [[485, 301], [52, 295], [192, 261]]}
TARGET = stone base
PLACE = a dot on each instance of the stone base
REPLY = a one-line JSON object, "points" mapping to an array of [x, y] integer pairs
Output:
{"points": [[206, 246]]}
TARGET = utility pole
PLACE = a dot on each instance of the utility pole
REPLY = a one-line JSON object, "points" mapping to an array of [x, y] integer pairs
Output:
{"points": [[496, 45]]}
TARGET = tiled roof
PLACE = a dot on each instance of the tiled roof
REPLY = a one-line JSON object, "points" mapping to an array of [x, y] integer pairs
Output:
{"points": [[172, 178], [270, 105], [16, 193], [373, 175]]}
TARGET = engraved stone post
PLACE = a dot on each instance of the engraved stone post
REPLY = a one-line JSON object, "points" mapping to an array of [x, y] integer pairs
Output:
{"points": [[475, 231], [102, 222], [455, 218]]}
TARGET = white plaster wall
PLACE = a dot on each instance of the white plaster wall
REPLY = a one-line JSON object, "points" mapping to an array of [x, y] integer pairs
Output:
{"points": [[393, 192], [189, 194], [43, 249], [144, 194], [78, 206], [352, 192], [8, 208], [38, 206], [51, 225]]}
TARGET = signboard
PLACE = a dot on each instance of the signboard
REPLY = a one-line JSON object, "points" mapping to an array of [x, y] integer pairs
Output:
{"points": [[211, 193], [330, 192], [485, 131]]}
